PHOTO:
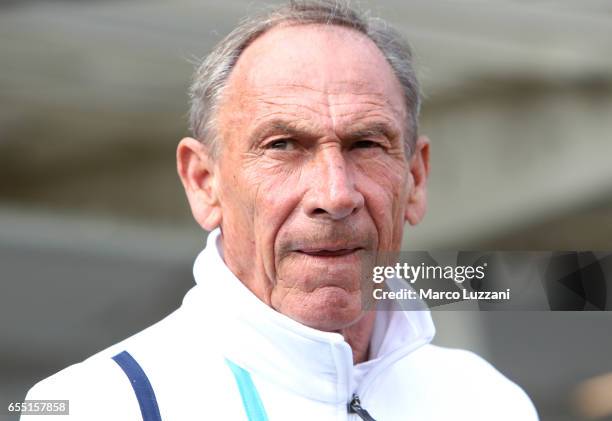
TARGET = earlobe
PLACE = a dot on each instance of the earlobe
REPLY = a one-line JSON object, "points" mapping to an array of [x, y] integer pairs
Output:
{"points": [[416, 204], [198, 174]]}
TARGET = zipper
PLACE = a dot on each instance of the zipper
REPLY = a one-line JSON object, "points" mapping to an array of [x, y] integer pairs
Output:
{"points": [[354, 407]]}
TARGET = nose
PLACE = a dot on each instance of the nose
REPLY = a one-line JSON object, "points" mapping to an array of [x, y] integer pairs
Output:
{"points": [[332, 192]]}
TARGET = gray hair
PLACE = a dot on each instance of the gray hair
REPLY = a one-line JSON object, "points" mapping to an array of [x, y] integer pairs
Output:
{"points": [[210, 77]]}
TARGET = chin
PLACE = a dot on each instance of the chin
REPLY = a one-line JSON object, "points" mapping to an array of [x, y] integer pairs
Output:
{"points": [[327, 308]]}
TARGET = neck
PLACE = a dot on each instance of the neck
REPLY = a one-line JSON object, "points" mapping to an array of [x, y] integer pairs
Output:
{"points": [[358, 336]]}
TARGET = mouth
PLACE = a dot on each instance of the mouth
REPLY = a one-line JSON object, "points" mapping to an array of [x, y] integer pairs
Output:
{"points": [[330, 252]]}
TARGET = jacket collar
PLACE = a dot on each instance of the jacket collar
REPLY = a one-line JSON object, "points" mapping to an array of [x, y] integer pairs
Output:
{"points": [[312, 363]]}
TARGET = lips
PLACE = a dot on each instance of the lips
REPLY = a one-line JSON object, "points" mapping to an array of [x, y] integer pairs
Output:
{"points": [[329, 252]]}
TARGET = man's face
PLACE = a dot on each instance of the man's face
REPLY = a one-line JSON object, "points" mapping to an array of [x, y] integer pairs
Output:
{"points": [[312, 175]]}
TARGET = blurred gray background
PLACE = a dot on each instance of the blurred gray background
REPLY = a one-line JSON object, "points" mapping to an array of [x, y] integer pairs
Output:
{"points": [[96, 239]]}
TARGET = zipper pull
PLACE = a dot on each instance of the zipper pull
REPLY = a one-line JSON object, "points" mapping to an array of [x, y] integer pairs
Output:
{"points": [[354, 407]]}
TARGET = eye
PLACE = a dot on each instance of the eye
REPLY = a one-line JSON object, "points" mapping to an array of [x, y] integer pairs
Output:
{"points": [[281, 144], [364, 144]]}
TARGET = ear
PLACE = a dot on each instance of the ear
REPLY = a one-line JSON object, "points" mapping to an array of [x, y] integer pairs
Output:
{"points": [[198, 174], [416, 205]]}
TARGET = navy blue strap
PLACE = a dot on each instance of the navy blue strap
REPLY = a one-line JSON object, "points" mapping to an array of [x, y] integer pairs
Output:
{"points": [[141, 385]]}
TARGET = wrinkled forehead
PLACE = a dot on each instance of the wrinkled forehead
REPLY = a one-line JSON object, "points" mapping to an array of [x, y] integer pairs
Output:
{"points": [[316, 60]]}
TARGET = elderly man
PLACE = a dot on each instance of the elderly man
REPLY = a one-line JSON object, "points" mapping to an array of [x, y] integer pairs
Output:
{"points": [[305, 160]]}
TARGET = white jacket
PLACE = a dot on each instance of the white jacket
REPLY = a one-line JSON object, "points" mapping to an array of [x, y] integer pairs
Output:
{"points": [[225, 355]]}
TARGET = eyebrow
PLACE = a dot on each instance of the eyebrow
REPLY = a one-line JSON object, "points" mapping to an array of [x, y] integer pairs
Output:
{"points": [[373, 129], [296, 129], [292, 128]]}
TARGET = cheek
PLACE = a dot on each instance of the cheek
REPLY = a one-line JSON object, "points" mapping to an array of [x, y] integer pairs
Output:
{"points": [[258, 190], [274, 192], [266, 196], [383, 183]]}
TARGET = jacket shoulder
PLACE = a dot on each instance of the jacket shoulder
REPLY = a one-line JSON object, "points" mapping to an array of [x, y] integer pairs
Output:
{"points": [[473, 383], [180, 364], [95, 390]]}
